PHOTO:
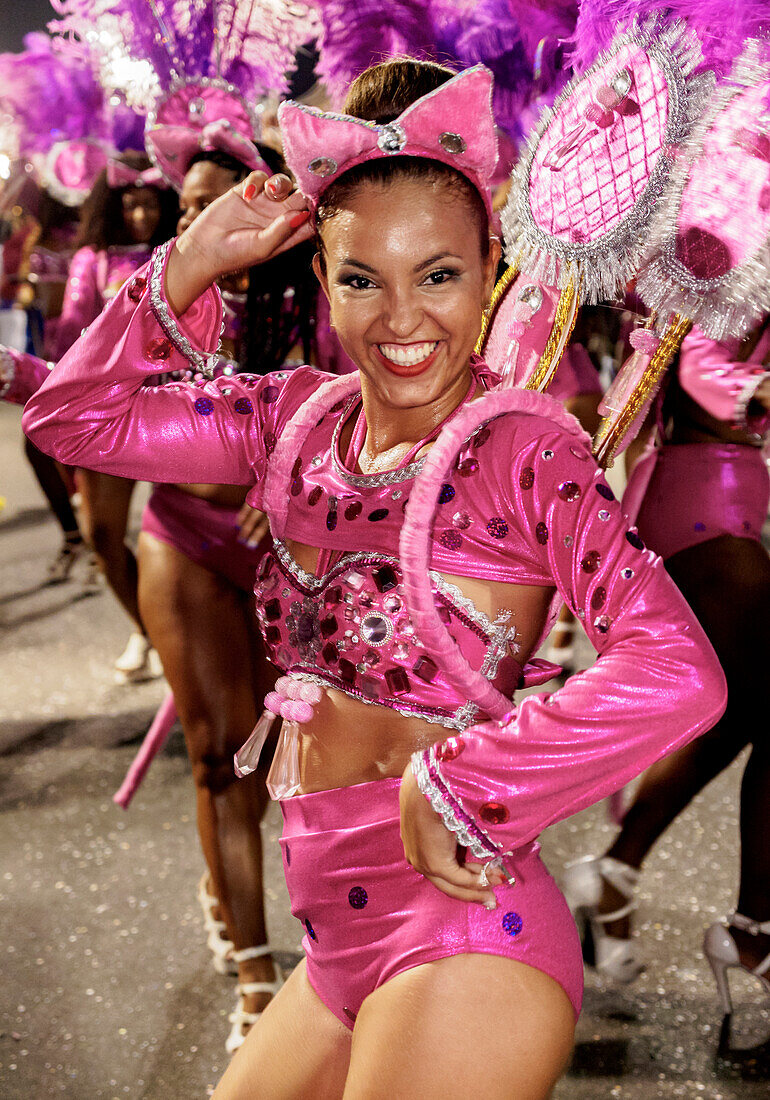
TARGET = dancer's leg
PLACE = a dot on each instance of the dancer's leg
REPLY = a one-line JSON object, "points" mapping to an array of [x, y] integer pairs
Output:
{"points": [[200, 626], [106, 502], [52, 483], [515, 1025], [298, 1049], [726, 581]]}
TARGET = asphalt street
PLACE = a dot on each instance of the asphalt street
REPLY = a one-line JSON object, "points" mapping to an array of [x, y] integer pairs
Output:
{"points": [[107, 988]]}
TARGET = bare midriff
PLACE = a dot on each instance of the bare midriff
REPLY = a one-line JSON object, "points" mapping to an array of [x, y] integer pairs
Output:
{"points": [[349, 742]]}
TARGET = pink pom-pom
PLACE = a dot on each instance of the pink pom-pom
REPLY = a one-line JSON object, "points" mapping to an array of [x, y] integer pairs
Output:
{"points": [[644, 340], [284, 685], [296, 710], [273, 702], [311, 693]]}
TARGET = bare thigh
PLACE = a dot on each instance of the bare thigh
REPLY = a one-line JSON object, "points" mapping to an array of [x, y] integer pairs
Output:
{"points": [[298, 1050], [466, 1026]]}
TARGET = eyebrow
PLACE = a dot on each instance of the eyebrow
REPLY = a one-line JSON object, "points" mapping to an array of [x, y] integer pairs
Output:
{"points": [[350, 260]]}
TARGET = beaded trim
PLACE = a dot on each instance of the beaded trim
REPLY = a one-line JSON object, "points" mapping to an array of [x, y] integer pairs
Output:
{"points": [[368, 481], [7, 370], [449, 807], [201, 361], [491, 629], [459, 721]]}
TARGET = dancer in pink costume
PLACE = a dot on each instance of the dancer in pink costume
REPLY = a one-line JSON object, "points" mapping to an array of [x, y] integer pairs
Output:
{"points": [[411, 463], [701, 496], [129, 211]]}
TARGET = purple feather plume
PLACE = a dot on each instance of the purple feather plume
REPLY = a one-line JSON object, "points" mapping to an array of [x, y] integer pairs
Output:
{"points": [[721, 25], [49, 98]]}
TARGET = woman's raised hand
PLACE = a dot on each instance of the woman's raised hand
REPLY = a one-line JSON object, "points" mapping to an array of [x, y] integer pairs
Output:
{"points": [[249, 224]]}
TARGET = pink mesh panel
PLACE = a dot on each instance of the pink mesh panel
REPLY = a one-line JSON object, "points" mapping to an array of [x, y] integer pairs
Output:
{"points": [[597, 184], [724, 216]]}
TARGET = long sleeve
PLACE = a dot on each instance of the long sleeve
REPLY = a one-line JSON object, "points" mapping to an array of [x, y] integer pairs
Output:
{"points": [[96, 411], [82, 300], [656, 684], [723, 385], [20, 375]]}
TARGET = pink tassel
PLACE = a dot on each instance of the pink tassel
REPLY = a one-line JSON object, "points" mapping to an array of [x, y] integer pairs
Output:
{"points": [[283, 778], [246, 760], [154, 740]]}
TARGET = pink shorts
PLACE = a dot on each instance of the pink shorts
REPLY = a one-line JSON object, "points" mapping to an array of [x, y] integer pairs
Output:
{"points": [[368, 915], [204, 532], [699, 491]]}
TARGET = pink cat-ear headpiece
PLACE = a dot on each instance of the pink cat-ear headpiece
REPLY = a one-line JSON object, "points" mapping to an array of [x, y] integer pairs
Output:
{"points": [[452, 124]]}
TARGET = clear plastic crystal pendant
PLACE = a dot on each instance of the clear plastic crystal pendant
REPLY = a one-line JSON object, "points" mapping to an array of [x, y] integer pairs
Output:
{"points": [[246, 760], [283, 777]]}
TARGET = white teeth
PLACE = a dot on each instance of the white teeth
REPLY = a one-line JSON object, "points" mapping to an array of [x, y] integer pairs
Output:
{"points": [[407, 355]]}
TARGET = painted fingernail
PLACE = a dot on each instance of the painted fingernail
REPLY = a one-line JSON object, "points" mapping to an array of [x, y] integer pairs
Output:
{"points": [[490, 904], [249, 191], [298, 219], [272, 187]]}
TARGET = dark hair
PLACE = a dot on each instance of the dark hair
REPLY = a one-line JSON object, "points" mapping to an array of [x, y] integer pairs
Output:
{"points": [[281, 297], [101, 219], [380, 94]]}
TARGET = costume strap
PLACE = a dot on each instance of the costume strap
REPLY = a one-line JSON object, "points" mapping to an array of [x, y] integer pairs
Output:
{"points": [[417, 533]]}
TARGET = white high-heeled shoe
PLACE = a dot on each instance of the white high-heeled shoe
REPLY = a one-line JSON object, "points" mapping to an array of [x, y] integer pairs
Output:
{"points": [[221, 948], [583, 885], [720, 949], [240, 1018]]}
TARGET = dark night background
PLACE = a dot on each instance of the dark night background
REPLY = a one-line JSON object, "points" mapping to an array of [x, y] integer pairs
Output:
{"points": [[19, 18]]}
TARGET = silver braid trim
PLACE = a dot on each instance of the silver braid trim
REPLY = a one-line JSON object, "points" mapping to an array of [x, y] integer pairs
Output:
{"points": [[445, 810], [203, 362], [601, 268], [7, 370]]}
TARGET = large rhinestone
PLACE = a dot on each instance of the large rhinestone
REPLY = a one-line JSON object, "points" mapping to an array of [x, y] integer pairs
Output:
{"points": [[333, 597], [452, 143], [392, 138], [385, 578], [328, 626], [531, 296], [272, 610], [347, 671], [376, 629], [323, 166], [494, 813], [621, 83], [397, 681], [305, 628], [425, 668]]}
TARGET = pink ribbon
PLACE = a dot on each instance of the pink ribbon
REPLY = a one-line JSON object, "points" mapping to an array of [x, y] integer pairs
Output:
{"points": [[122, 175]]}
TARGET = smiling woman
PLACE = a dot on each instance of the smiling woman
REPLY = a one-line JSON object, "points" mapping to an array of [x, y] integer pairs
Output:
{"points": [[412, 864]]}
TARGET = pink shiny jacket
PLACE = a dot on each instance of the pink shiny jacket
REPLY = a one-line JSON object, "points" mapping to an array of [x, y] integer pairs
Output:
{"points": [[525, 503]]}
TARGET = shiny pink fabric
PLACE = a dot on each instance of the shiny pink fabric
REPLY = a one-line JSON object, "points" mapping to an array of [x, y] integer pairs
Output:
{"points": [[204, 532], [94, 278], [699, 491], [711, 374], [28, 373], [369, 916]]}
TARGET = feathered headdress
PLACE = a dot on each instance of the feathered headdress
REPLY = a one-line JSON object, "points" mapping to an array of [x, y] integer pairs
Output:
{"points": [[54, 112], [206, 64]]}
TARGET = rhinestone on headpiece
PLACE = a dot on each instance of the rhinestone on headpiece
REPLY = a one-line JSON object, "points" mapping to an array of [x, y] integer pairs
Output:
{"points": [[453, 143], [196, 107], [323, 166], [621, 83], [392, 138], [531, 296]]}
